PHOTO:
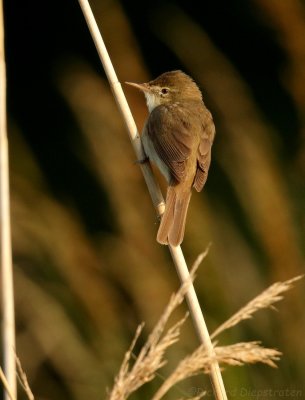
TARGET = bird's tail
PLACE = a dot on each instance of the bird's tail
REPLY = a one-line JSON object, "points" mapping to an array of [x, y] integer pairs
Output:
{"points": [[172, 226]]}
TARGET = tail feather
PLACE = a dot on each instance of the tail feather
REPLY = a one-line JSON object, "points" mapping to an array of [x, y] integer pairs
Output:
{"points": [[172, 226], [176, 233], [167, 217]]}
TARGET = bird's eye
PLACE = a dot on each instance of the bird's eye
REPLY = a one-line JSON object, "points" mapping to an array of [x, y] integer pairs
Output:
{"points": [[164, 91]]}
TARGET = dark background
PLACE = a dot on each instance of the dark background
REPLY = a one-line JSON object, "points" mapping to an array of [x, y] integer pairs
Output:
{"points": [[88, 269]]}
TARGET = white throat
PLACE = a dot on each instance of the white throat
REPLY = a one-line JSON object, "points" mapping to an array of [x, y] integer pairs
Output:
{"points": [[152, 101]]}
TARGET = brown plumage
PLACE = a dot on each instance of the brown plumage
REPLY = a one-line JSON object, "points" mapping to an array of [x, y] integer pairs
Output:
{"points": [[177, 137]]}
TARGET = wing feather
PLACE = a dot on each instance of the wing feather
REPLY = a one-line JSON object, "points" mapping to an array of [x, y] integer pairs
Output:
{"points": [[172, 131], [204, 150]]}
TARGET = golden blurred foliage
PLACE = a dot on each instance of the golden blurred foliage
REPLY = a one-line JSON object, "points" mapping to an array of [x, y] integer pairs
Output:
{"points": [[80, 295]]}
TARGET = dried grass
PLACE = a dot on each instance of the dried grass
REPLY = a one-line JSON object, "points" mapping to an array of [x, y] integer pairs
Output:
{"points": [[247, 353], [264, 300], [151, 357], [6, 385], [23, 380], [200, 360]]}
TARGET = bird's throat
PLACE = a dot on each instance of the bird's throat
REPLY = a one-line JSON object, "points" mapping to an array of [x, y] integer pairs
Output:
{"points": [[152, 101]]}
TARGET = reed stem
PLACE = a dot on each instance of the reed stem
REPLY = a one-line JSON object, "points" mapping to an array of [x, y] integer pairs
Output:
{"points": [[156, 195], [7, 289]]}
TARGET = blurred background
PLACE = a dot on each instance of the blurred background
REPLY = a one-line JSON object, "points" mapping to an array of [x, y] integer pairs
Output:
{"points": [[87, 267]]}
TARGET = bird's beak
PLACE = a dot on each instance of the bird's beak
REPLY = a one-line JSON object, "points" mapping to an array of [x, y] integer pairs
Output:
{"points": [[142, 86]]}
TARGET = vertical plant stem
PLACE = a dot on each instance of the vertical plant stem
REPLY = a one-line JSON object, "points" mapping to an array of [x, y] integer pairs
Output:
{"points": [[8, 324], [6, 385], [156, 195], [198, 321]]}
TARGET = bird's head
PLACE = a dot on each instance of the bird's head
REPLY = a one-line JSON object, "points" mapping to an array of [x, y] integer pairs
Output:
{"points": [[170, 87]]}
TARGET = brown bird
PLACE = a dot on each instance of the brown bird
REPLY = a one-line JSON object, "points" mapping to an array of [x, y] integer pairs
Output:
{"points": [[177, 137]]}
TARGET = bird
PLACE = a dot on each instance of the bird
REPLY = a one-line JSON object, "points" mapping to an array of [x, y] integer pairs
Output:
{"points": [[177, 137]]}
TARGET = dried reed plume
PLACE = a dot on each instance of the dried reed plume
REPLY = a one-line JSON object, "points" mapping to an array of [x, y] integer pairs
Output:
{"points": [[23, 380], [151, 357], [264, 300], [199, 361], [6, 385]]}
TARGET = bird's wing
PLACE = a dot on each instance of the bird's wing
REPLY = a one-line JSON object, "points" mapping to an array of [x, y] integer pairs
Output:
{"points": [[170, 131], [204, 150]]}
